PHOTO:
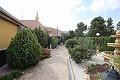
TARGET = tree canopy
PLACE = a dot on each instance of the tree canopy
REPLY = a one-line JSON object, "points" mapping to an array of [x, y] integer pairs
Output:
{"points": [[118, 25], [100, 25], [80, 28], [42, 36]]}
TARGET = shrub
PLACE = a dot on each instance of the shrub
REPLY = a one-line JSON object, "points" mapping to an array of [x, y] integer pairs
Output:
{"points": [[116, 61], [12, 75], [86, 42], [7, 77], [42, 36], [54, 42], [79, 53], [45, 53], [70, 43], [16, 73], [24, 50], [90, 67]]}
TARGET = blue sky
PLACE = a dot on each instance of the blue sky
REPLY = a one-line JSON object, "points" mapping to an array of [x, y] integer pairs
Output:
{"points": [[64, 14]]}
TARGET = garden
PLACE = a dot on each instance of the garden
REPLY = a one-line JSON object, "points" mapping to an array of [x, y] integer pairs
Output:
{"points": [[83, 45], [26, 49]]}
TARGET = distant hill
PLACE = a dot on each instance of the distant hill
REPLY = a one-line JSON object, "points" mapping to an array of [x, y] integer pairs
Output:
{"points": [[64, 31]]}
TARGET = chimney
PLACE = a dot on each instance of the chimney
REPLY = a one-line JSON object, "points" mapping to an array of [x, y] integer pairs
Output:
{"points": [[37, 19]]}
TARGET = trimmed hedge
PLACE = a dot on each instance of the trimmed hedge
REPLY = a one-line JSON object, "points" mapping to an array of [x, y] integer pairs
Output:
{"points": [[24, 50]]}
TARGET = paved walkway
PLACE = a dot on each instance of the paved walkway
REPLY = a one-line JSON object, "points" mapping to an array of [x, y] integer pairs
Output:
{"points": [[54, 68]]}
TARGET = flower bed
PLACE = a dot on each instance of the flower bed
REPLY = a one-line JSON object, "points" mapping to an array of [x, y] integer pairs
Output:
{"points": [[94, 70]]}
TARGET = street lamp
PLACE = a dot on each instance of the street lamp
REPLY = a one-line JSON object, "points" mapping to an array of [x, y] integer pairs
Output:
{"points": [[97, 34], [97, 50]]}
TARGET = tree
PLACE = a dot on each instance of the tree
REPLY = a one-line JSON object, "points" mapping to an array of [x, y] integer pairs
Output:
{"points": [[118, 25], [42, 36], [72, 34], [80, 28], [68, 35], [109, 27], [98, 26], [24, 50]]}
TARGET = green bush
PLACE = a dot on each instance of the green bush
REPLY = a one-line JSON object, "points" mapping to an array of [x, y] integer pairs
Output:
{"points": [[90, 67], [42, 36], [70, 43], [54, 42], [7, 77], [79, 53], [16, 73], [116, 61], [12, 75], [24, 50], [86, 42]]}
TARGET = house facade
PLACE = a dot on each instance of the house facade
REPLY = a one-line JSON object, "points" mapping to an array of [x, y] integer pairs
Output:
{"points": [[9, 26]]}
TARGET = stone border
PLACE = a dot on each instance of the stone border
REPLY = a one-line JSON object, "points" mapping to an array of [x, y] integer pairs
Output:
{"points": [[70, 70]]}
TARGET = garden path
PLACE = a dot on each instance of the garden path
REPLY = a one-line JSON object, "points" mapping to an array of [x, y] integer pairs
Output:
{"points": [[53, 68]]}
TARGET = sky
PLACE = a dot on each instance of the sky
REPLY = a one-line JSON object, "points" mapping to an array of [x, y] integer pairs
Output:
{"points": [[64, 14]]}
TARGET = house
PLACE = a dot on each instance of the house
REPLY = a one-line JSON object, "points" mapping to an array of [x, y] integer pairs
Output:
{"points": [[54, 32], [9, 26], [32, 24]]}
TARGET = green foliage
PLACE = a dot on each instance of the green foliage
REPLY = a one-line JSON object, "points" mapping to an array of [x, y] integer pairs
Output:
{"points": [[12, 75], [24, 50], [109, 27], [70, 43], [116, 60], [101, 42], [54, 42], [98, 76], [80, 48], [80, 28], [7, 77], [65, 36], [16, 73], [118, 25], [72, 34], [86, 42], [42, 37], [98, 26], [90, 67], [68, 35], [79, 53]]}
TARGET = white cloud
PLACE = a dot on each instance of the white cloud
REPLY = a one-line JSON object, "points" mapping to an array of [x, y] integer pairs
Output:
{"points": [[53, 13], [101, 5], [97, 5], [79, 6]]}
